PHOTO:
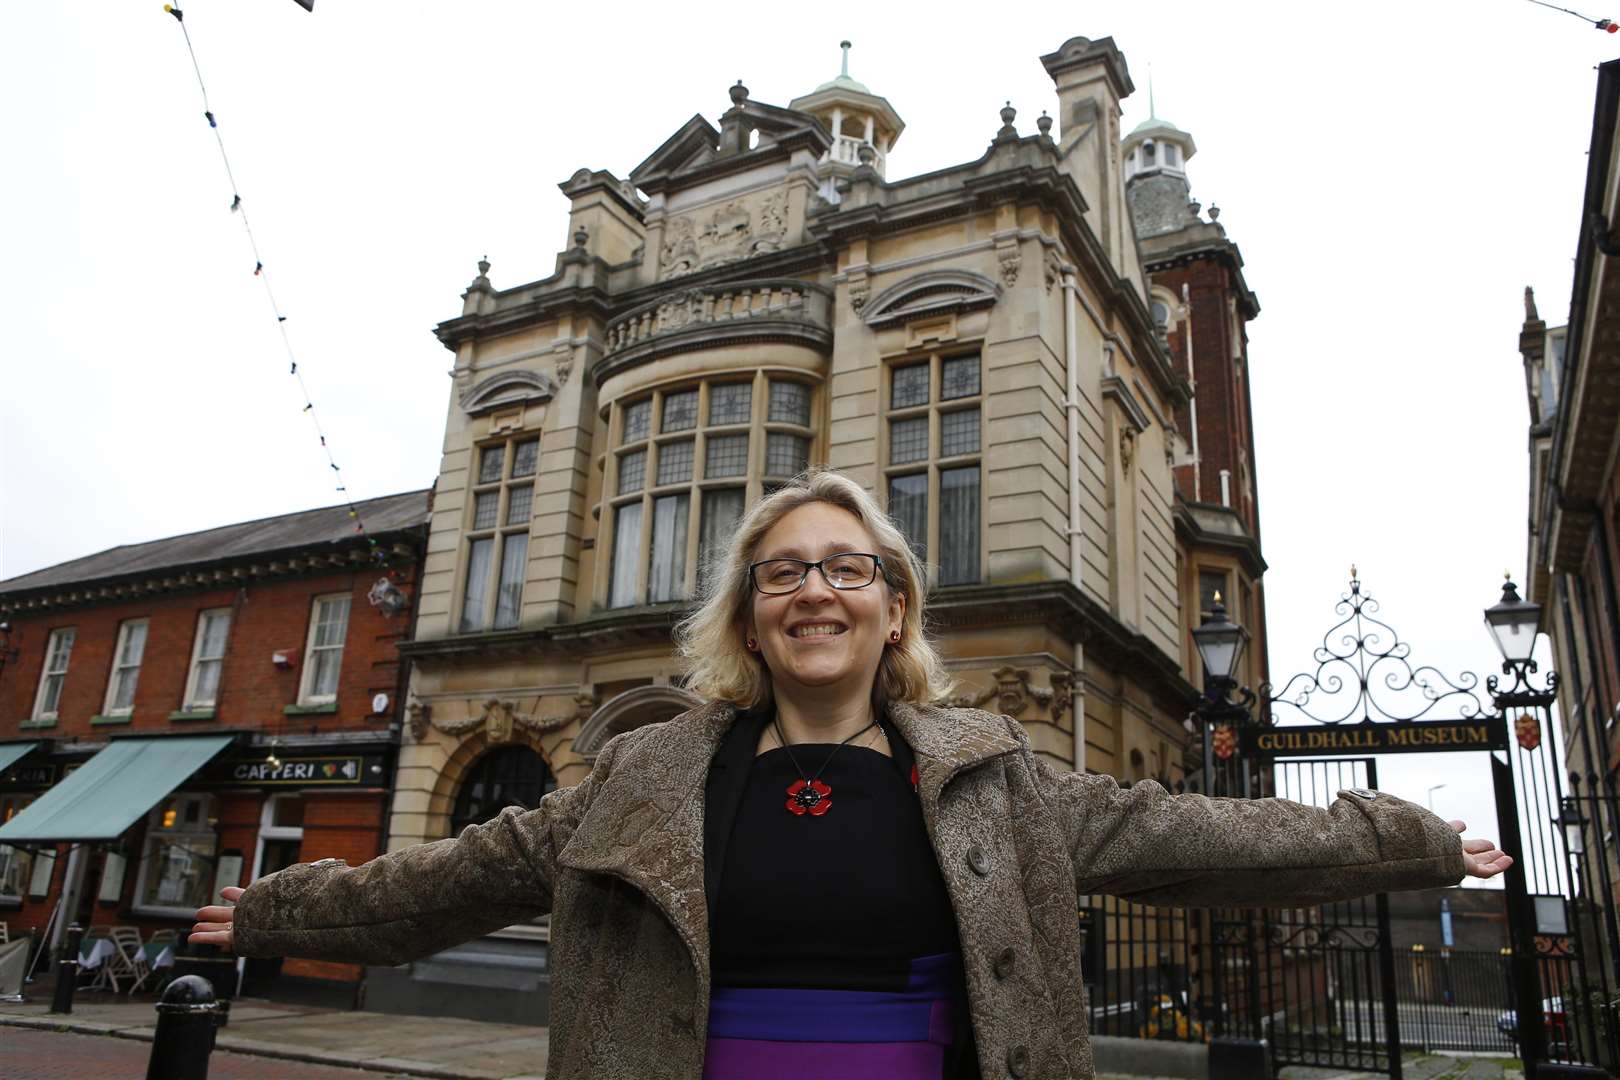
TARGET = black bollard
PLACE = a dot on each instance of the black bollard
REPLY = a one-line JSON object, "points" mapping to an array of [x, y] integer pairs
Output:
{"points": [[67, 971], [185, 1031]]}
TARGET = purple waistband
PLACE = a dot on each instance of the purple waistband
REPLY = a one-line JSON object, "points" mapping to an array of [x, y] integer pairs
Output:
{"points": [[921, 1013]]}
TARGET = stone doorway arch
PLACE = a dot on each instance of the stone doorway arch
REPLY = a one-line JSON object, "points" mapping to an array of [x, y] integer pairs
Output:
{"points": [[630, 710]]}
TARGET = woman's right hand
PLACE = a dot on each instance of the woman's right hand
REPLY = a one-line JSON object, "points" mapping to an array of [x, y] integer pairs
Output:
{"points": [[214, 922]]}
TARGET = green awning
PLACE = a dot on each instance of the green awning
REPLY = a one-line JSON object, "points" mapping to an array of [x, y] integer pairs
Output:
{"points": [[11, 753], [110, 792]]}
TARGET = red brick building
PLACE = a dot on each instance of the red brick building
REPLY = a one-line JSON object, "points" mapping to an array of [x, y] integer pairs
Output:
{"points": [[1202, 304], [252, 670]]}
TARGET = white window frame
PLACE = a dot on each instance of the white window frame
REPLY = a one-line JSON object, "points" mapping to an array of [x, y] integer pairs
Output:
{"points": [[306, 694], [156, 832], [46, 671], [190, 703], [125, 628], [269, 830]]}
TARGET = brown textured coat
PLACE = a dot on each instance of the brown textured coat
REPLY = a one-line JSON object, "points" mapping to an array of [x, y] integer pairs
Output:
{"points": [[618, 861]]}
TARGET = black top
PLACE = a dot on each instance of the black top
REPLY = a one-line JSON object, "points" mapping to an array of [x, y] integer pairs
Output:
{"points": [[845, 900]]}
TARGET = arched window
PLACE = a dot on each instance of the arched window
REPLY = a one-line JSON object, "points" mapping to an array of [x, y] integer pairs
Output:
{"points": [[509, 776], [1161, 314], [1147, 155]]}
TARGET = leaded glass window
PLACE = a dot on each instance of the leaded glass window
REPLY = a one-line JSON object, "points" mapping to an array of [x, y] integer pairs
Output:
{"points": [[731, 403]]}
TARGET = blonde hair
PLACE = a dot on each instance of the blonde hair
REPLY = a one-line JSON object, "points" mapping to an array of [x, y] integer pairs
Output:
{"points": [[721, 668]]}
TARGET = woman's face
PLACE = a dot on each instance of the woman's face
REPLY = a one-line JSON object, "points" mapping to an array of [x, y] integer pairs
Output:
{"points": [[792, 630]]}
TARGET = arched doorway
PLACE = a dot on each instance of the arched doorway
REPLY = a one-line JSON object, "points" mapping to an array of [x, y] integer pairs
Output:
{"points": [[505, 776]]}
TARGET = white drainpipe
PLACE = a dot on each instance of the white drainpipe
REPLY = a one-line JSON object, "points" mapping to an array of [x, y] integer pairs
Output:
{"points": [[1071, 359], [1192, 381]]}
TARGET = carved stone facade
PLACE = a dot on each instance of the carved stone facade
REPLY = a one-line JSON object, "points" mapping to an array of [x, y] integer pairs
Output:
{"points": [[751, 300]]}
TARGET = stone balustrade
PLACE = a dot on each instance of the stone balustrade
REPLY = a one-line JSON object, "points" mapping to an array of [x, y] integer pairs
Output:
{"points": [[702, 316]]}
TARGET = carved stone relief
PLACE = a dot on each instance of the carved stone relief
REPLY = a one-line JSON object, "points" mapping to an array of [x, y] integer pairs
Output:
{"points": [[736, 230], [1010, 259], [1013, 692], [500, 720]]}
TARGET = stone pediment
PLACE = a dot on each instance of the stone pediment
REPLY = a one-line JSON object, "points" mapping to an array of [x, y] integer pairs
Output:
{"points": [[750, 133], [935, 292], [692, 145], [508, 388]]}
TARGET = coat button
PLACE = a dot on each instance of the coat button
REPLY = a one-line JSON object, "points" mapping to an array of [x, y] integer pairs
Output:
{"points": [[1018, 1060], [1005, 961], [978, 861]]}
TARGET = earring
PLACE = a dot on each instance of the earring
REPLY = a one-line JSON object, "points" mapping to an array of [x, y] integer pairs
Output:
{"points": [[894, 636], [752, 644]]}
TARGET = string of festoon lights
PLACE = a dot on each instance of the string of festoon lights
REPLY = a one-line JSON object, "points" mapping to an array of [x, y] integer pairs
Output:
{"points": [[260, 271], [1608, 26]]}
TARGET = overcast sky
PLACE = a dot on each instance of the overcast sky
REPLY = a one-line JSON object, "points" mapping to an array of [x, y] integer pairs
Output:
{"points": [[1394, 172]]}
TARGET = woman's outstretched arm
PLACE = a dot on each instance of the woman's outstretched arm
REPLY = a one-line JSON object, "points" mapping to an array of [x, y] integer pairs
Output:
{"points": [[1146, 845], [410, 902]]}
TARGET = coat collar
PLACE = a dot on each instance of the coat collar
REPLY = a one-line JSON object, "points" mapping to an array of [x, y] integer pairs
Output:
{"points": [[645, 822]]}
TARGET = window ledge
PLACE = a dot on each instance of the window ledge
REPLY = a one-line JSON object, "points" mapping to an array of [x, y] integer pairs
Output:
{"points": [[10, 903], [105, 721], [310, 710], [51, 722], [164, 912], [192, 714]]}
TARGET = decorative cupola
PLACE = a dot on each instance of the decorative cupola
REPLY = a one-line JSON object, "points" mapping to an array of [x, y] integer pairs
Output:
{"points": [[855, 117], [1156, 185]]}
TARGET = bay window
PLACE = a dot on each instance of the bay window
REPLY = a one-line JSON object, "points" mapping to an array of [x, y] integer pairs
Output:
{"points": [[678, 492]]}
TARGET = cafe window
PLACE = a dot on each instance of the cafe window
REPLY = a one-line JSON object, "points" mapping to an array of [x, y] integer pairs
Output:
{"points": [[323, 656], [679, 486], [126, 669], [57, 651], [207, 657], [15, 863], [508, 776], [497, 535], [934, 438], [177, 863]]}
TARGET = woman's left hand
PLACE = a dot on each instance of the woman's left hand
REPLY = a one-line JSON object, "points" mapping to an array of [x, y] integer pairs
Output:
{"points": [[1482, 857]]}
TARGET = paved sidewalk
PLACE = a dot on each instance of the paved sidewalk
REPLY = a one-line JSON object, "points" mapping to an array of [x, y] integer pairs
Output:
{"points": [[57, 1055], [449, 1049]]}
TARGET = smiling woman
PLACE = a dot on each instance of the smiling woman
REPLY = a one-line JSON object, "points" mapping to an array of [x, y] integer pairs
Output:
{"points": [[820, 871]]}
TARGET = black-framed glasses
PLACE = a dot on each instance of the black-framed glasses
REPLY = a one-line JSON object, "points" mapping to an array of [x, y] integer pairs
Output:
{"points": [[845, 570]]}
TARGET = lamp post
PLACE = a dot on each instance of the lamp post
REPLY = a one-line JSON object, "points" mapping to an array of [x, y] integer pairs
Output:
{"points": [[1220, 643], [1514, 623]]}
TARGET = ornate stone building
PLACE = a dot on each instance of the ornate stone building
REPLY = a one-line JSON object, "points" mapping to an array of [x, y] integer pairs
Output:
{"points": [[975, 345]]}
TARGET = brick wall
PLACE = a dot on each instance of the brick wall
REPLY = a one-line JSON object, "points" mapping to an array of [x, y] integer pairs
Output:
{"points": [[266, 617]]}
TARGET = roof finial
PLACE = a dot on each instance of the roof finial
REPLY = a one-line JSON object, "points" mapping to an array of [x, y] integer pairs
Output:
{"points": [[1153, 113], [844, 74]]}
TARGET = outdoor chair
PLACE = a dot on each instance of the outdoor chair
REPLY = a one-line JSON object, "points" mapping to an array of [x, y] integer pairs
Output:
{"points": [[102, 975], [151, 953], [129, 961]]}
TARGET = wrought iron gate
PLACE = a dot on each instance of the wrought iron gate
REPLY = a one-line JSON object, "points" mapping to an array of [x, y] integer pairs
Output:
{"points": [[1334, 1003]]}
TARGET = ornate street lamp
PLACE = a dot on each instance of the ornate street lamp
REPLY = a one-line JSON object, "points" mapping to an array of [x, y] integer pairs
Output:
{"points": [[1218, 717], [1514, 624], [1220, 643]]}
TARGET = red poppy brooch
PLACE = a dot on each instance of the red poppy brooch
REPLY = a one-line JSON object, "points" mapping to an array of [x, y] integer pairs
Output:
{"points": [[808, 797]]}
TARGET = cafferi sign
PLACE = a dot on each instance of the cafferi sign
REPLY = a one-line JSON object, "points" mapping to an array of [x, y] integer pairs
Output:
{"points": [[1410, 736], [302, 771]]}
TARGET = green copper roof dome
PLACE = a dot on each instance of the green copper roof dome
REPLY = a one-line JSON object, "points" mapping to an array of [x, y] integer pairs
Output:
{"points": [[1156, 122], [843, 81]]}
